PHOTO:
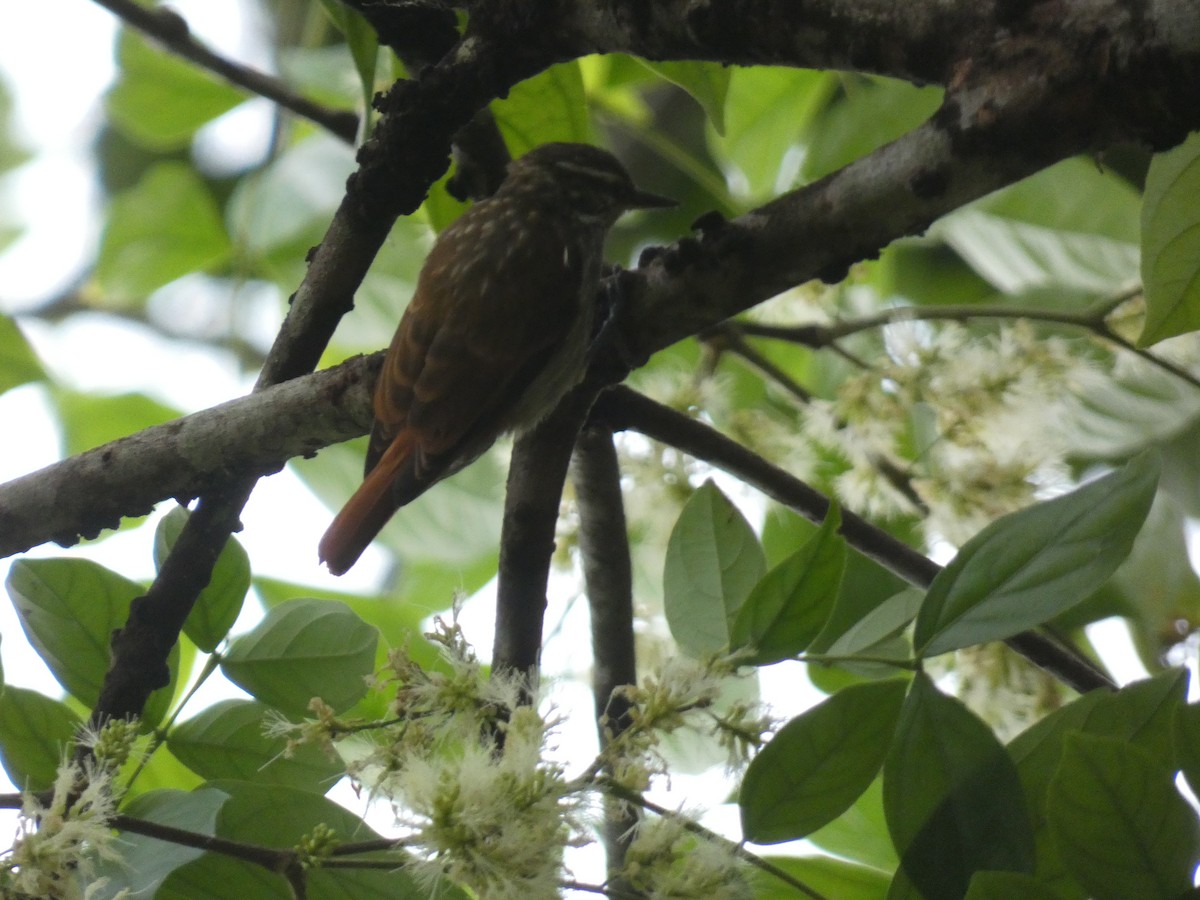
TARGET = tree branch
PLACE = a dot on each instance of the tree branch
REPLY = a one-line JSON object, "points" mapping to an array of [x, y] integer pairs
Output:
{"points": [[535, 480], [252, 435], [168, 28], [608, 576]]}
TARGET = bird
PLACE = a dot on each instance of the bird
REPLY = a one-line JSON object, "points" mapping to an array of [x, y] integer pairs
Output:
{"points": [[496, 333]]}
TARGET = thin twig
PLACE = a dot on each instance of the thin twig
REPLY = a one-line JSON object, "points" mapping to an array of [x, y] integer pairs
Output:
{"points": [[270, 858], [729, 336], [171, 30], [1093, 319]]}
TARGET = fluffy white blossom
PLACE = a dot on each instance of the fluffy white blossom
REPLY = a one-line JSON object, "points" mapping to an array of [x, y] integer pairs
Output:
{"points": [[668, 862], [60, 839], [956, 427], [495, 818]]}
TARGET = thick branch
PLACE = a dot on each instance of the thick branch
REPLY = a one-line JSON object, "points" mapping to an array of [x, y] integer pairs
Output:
{"points": [[535, 480], [914, 41], [607, 570], [253, 435]]}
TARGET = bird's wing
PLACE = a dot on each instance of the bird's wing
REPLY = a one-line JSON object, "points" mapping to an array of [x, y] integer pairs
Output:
{"points": [[469, 345]]}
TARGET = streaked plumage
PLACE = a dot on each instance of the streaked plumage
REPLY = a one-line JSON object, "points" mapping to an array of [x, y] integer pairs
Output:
{"points": [[496, 332]]}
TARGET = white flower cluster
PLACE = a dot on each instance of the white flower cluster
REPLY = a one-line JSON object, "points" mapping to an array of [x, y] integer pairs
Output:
{"points": [[681, 693], [666, 861], [979, 418], [61, 836], [466, 764], [1003, 689]]}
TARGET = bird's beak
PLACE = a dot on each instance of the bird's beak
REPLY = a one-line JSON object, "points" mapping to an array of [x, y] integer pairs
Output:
{"points": [[645, 200]]}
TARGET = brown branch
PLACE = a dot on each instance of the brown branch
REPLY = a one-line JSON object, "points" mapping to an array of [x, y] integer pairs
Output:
{"points": [[274, 860], [252, 435], [622, 408], [536, 474], [170, 30], [917, 41], [608, 576]]}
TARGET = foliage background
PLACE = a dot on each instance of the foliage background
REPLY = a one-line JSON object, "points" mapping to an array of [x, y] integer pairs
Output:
{"points": [[201, 245]]}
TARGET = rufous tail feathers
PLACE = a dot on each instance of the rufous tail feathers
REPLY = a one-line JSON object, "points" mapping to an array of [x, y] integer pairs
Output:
{"points": [[365, 513]]}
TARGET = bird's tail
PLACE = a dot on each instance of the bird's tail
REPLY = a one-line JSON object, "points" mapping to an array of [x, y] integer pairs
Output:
{"points": [[365, 513]]}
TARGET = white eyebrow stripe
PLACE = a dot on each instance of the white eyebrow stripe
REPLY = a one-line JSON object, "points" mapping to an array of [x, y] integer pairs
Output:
{"points": [[599, 174]]}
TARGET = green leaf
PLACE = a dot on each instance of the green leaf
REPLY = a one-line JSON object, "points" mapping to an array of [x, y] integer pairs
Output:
{"points": [[827, 876], [712, 563], [215, 877], [1140, 713], [706, 82], [1122, 828], [875, 633], [952, 797], [788, 606], [164, 227], [226, 740], [303, 649], [35, 735], [363, 42], [91, 420], [162, 771], [220, 602], [866, 114], [159, 100], [1187, 743], [1015, 256], [1006, 885], [399, 615], [146, 861], [288, 202], [275, 816], [1029, 566], [1171, 243], [860, 833], [1133, 408], [819, 763], [69, 609], [1074, 195], [866, 586], [18, 363], [551, 106], [766, 110]]}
